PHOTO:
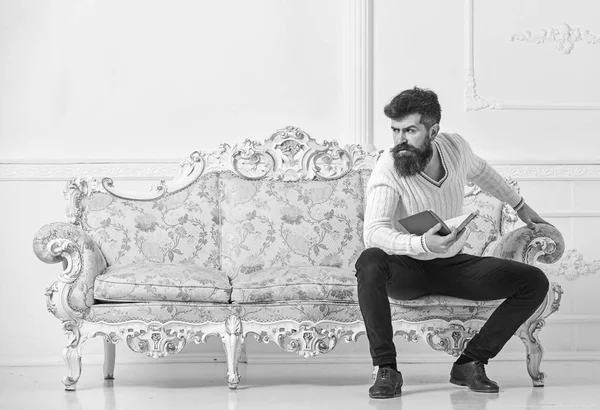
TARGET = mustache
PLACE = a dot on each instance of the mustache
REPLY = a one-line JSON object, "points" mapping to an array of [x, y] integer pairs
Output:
{"points": [[404, 147]]}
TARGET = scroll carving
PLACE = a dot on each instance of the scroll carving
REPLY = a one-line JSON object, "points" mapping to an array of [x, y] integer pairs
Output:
{"points": [[451, 340], [290, 154], [528, 333], [70, 253], [572, 266], [50, 303], [538, 246], [564, 37], [475, 102], [156, 341], [306, 339]]}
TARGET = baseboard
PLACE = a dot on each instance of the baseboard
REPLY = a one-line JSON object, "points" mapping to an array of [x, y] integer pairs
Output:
{"points": [[287, 358]]}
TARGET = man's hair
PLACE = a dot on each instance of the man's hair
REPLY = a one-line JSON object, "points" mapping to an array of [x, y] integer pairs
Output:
{"points": [[415, 101]]}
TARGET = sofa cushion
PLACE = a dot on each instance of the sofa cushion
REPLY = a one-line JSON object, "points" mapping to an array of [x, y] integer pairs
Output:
{"points": [[142, 282], [270, 223], [320, 283], [323, 283], [350, 312], [181, 226]]}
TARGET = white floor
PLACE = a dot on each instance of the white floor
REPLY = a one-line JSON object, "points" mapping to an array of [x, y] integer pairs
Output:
{"points": [[570, 385]]}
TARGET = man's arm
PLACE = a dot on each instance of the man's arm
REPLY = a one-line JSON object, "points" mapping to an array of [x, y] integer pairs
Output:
{"points": [[382, 200], [488, 179]]}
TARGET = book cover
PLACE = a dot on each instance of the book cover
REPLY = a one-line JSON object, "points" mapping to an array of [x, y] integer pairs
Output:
{"points": [[421, 222]]}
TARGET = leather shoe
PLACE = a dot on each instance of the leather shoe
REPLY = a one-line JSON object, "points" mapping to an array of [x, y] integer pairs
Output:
{"points": [[473, 376], [388, 384]]}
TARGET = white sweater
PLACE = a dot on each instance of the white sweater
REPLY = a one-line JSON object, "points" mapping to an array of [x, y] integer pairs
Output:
{"points": [[391, 197]]}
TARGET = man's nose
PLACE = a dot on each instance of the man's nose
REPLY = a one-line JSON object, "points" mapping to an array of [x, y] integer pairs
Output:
{"points": [[400, 138]]}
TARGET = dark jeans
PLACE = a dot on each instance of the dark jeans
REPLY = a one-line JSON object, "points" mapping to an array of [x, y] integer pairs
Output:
{"points": [[464, 276]]}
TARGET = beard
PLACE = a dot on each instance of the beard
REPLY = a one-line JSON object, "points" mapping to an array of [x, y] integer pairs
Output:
{"points": [[409, 160]]}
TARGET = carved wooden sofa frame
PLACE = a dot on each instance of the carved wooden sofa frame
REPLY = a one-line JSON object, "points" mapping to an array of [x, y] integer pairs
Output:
{"points": [[289, 154]]}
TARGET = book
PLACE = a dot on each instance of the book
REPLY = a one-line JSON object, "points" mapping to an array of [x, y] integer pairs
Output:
{"points": [[420, 223]]}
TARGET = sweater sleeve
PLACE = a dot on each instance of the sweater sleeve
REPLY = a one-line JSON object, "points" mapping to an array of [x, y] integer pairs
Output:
{"points": [[382, 201], [487, 178]]}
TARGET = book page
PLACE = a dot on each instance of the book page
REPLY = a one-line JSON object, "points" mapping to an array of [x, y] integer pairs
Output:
{"points": [[456, 221]]}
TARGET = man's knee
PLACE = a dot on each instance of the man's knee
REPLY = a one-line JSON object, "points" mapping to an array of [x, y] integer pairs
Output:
{"points": [[370, 261], [537, 282]]}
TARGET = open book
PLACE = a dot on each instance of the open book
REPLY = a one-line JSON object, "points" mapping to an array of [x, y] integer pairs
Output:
{"points": [[420, 223]]}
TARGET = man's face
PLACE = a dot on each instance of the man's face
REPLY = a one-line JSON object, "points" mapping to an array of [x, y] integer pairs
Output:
{"points": [[412, 145]]}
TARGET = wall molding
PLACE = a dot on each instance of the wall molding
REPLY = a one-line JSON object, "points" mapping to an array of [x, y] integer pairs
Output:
{"points": [[572, 265], [570, 214], [358, 72], [63, 171], [574, 318], [45, 170], [475, 102], [564, 37], [553, 172]]}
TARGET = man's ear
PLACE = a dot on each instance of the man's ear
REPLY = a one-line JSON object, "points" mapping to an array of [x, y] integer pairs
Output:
{"points": [[433, 131]]}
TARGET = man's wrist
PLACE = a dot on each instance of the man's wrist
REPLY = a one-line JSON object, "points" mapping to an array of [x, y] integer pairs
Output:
{"points": [[424, 244], [519, 205]]}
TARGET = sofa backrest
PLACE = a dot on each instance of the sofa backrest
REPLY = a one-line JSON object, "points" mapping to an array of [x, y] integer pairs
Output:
{"points": [[180, 226], [269, 223], [289, 200]]}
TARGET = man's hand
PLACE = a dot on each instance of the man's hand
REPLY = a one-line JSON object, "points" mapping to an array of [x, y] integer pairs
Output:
{"points": [[440, 244], [530, 217]]}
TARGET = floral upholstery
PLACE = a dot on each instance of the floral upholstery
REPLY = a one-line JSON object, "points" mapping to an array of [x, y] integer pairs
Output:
{"points": [[315, 283], [162, 312], [485, 228], [141, 282], [179, 227], [315, 312], [269, 223]]}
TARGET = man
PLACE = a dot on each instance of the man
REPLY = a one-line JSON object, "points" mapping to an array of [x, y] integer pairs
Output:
{"points": [[427, 169]]}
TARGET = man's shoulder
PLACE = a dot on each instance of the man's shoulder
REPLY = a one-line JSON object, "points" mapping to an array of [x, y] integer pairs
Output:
{"points": [[451, 137], [383, 169], [452, 140]]}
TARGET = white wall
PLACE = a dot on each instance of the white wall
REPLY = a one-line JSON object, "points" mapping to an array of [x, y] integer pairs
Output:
{"points": [[150, 79], [129, 88]]}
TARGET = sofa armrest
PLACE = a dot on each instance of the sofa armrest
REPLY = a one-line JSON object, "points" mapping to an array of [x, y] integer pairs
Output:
{"points": [[543, 244], [73, 293]]}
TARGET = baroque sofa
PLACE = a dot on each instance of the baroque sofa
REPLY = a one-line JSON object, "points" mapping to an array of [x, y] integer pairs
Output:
{"points": [[255, 240]]}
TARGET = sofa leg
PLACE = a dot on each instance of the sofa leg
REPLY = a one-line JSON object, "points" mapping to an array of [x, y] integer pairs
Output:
{"points": [[72, 354], [534, 350], [243, 355], [233, 340], [109, 360]]}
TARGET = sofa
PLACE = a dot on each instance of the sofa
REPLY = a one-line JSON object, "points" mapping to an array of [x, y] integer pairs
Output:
{"points": [[255, 240]]}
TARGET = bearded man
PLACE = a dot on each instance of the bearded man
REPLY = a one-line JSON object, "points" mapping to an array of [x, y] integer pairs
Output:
{"points": [[427, 169]]}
